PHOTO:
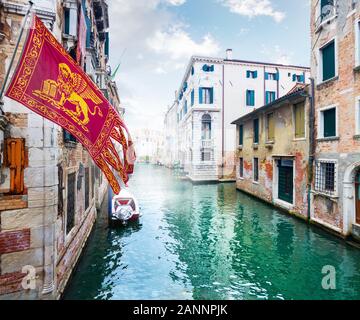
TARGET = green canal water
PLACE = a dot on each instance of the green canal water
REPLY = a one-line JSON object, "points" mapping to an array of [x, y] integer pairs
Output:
{"points": [[210, 242]]}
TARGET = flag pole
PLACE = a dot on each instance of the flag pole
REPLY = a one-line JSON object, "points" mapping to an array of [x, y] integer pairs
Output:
{"points": [[14, 54]]}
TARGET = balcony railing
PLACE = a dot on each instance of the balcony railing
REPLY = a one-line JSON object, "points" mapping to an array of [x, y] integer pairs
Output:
{"points": [[207, 144], [327, 12]]}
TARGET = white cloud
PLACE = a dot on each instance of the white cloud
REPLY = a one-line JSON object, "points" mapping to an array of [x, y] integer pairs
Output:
{"points": [[253, 8], [176, 2], [177, 44], [277, 55]]}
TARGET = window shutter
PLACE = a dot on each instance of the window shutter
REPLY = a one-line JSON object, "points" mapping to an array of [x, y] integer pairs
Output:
{"points": [[15, 160], [252, 98], [200, 95], [271, 127], [294, 77], [277, 76], [192, 97], [241, 135], [328, 60], [211, 95], [256, 131], [329, 123], [247, 74], [303, 78], [255, 74], [266, 76]]}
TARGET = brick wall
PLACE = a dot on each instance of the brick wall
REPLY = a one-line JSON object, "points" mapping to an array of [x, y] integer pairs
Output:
{"points": [[14, 241]]}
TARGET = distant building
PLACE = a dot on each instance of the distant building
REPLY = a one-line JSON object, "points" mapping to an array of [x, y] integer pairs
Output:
{"points": [[171, 136], [335, 65], [273, 152], [149, 145], [213, 93]]}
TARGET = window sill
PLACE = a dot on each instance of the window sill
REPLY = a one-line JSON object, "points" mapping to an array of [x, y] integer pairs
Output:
{"points": [[326, 82], [357, 68], [255, 146], [328, 139], [334, 197], [256, 182], [325, 22], [240, 147], [269, 144], [357, 137], [299, 139], [70, 144]]}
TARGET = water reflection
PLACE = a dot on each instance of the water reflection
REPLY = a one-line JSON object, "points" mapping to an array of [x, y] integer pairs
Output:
{"points": [[210, 242]]}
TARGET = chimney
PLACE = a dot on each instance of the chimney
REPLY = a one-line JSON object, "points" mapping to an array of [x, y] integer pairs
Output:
{"points": [[229, 54]]}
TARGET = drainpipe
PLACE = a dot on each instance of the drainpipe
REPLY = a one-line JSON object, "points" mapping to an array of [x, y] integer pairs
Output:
{"points": [[223, 122], [311, 144]]}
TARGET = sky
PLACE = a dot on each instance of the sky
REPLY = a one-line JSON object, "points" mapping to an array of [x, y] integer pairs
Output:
{"points": [[154, 40]]}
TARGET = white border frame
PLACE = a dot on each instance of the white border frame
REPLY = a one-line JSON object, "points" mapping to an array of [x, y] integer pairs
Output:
{"points": [[275, 191]]}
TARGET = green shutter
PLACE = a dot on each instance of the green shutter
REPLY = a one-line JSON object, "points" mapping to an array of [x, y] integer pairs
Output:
{"points": [[299, 120], [200, 96], [241, 135], [256, 130], [328, 61], [329, 123]]}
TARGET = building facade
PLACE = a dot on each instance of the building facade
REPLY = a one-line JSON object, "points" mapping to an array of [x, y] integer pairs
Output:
{"points": [[49, 188], [170, 158], [273, 152], [335, 65], [212, 94]]}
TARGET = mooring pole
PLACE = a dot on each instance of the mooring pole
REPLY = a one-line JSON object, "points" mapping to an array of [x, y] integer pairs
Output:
{"points": [[14, 54]]}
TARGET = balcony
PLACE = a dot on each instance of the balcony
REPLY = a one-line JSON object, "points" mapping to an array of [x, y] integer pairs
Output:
{"points": [[327, 13], [207, 144]]}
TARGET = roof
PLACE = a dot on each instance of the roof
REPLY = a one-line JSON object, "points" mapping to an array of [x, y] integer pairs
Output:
{"points": [[297, 91]]}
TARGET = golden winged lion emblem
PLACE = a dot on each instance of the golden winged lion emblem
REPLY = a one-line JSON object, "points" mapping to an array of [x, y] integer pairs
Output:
{"points": [[71, 88]]}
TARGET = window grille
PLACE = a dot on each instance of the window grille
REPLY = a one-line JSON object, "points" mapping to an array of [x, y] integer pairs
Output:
{"points": [[241, 168], [325, 179]]}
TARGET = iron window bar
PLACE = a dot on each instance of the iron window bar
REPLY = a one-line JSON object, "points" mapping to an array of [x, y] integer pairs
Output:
{"points": [[325, 177]]}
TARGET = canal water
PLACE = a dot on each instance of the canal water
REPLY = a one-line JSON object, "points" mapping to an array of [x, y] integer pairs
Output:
{"points": [[210, 242]]}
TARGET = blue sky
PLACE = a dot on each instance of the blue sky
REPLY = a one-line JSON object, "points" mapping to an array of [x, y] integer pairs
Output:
{"points": [[160, 36]]}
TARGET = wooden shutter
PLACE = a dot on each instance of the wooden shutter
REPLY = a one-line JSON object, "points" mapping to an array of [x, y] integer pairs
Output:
{"points": [[256, 131], [330, 123], [211, 95], [241, 135], [200, 95], [299, 120], [270, 127], [15, 160], [328, 61]]}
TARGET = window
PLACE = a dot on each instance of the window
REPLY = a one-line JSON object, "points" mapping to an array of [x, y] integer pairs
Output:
{"points": [[270, 126], [192, 97], [250, 98], [192, 70], [87, 188], [206, 155], [206, 95], [206, 127], [70, 212], [271, 76], [270, 96], [299, 112], [327, 9], [325, 177], [208, 68], [185, 107], [66, 21], [251, 74], [328, 61], [256, 130], [357, 43], [299, 78], [328, 123], [241, 135], [241, 168], [256, 169], [68, 137]]}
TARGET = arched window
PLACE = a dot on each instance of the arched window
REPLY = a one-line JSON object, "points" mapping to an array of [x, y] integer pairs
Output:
{"points": [[206, 127]]}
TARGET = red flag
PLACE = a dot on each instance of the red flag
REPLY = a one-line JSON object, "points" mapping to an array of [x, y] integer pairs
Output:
{"points": [[49, 82]]}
